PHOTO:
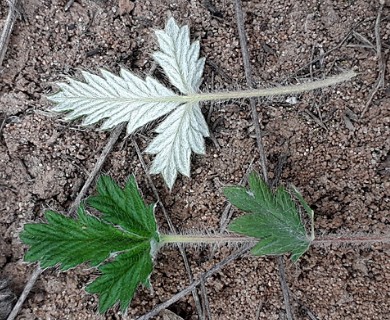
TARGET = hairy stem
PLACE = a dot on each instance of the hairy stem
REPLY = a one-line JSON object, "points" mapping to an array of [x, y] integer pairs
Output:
{"points": [[274, 91], [204, 239], [285, 90], [342, 240], [221, 239]]}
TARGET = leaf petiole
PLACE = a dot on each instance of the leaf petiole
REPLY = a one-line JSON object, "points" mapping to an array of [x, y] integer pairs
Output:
{"points": [[255, 93], [205, 239]]}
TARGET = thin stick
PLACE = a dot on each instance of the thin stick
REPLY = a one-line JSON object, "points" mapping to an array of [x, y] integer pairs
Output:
{"points": [[258, 310], [283, 284], [171, 227], [263, 159], [154, 189], [96, 169], [381, 64], [68, 5], [7, 29], [194, 284], [309, 313], [227, 213], [34, 276], [322, 56], [249, 79], [206, 305], [378, 41], [30, 283]]}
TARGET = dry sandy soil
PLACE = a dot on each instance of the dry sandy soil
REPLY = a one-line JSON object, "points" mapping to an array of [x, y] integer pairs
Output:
{"points": [[338, 159]]}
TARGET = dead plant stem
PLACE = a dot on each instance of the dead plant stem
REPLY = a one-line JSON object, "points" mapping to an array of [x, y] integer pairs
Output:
{"points": [[7, 29], [99, 163], [156, 310], [172, 229], [259, 140], [34, 276], [249, 79], [381, 63], [29, 285]]}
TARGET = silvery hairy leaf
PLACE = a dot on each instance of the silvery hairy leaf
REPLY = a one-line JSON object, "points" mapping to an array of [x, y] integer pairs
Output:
{"points": [[112, 100]]}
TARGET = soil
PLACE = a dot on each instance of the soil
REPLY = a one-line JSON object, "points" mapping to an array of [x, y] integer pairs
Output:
{"points": [[339, 160]]}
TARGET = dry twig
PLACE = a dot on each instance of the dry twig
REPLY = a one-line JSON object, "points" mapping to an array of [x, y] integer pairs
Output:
{"points": [[171, 227], [227, 213], [380, 82], [30, 283], [194, 284], [249, 79], [96, 169], [7, 29], [34, 276], [68, 5], [323, 55], [255, 117], [206, 304], [285, 289]]}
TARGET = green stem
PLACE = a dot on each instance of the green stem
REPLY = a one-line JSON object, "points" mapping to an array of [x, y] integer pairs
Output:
{"points": [[222, 239], [285, 90], [203, 239]]}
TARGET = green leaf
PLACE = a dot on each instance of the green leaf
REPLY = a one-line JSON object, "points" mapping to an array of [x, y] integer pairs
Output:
{"points": [[120, 278], [121, 243], [70, 242], [304, 204], [124, 207], [273, 218]]}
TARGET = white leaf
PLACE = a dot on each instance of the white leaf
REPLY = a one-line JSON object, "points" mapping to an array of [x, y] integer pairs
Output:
{"points": [[131, 99], [120, 99], [178, 58], [179, 134]]}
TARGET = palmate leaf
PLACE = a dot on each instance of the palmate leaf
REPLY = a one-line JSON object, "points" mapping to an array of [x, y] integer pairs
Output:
{"points": [[273, 218], [128, 98], [121, 243]]}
